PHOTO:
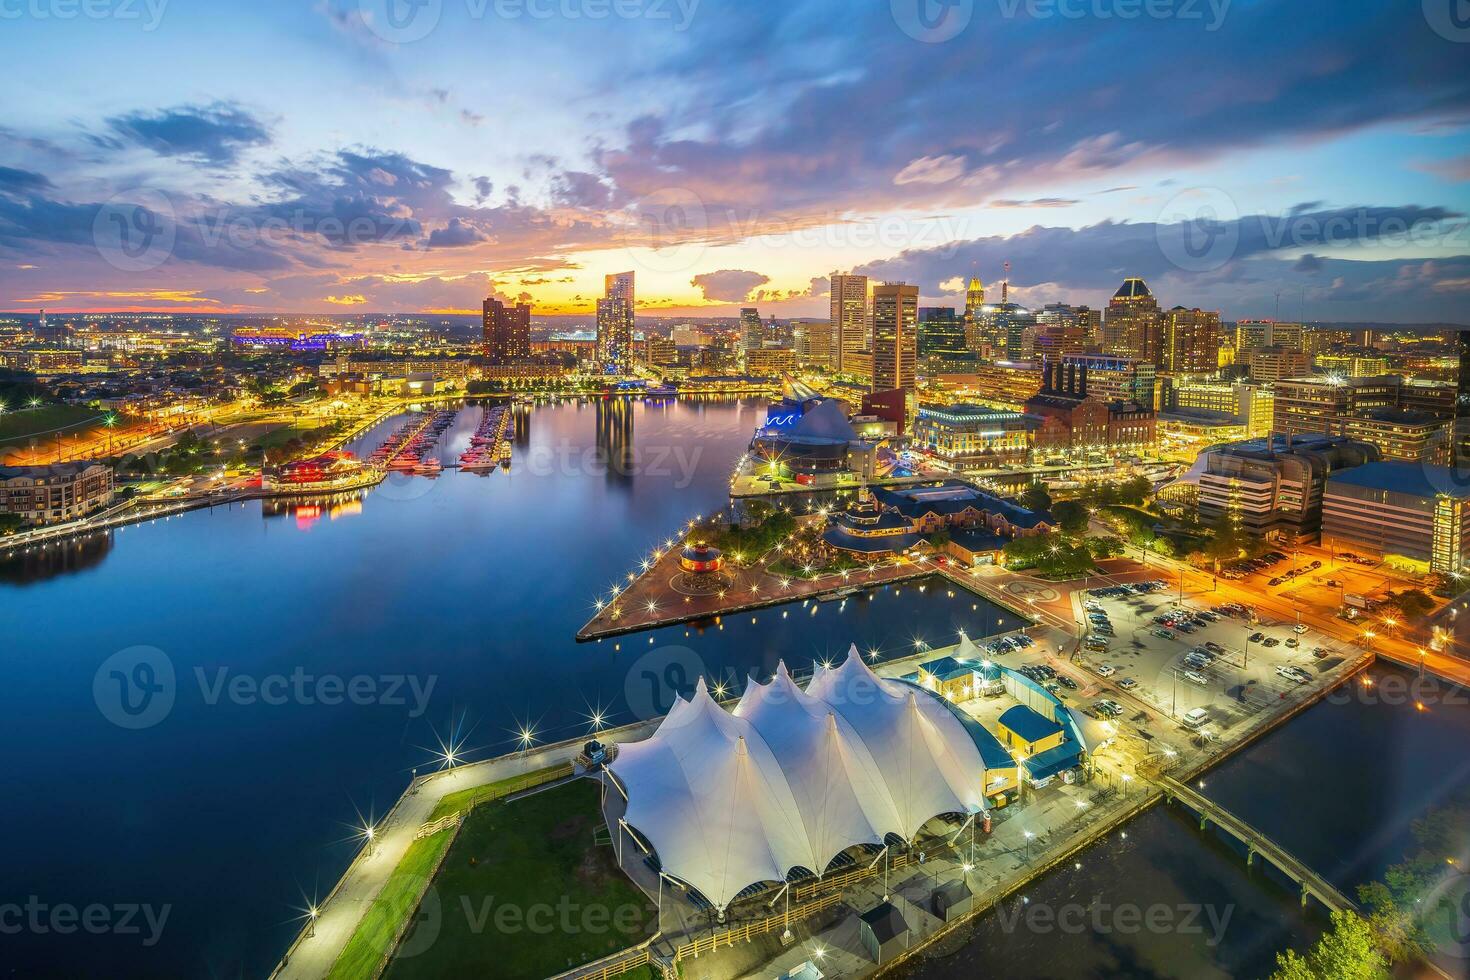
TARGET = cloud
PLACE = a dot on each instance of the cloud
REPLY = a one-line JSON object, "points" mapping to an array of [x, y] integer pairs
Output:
{"points": [[1454, 169], [728, 285], [931, 170], [214, 135], [13, 181], [354, 299], [1036, 202], [456, 234], [1308, 264]]}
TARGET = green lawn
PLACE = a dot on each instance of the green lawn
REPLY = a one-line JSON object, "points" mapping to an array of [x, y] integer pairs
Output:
{"points": [[20, 425], [400, 895], [467, 798], [526, 892]]}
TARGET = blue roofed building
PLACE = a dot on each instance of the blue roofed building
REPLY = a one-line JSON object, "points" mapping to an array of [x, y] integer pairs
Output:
{"points": [[1028, 731], [887, 520], [1410, 511]]}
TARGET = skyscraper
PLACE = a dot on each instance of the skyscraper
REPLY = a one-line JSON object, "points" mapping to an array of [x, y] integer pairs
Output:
{"points": [[1191, 341], [974, 300], [1132, 326], [615, 323], [752, 330], [506, 331], [849, 316], [895, 336], [941, 332]]}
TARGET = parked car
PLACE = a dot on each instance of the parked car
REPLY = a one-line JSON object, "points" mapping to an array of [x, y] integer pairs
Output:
{"points": [[1270, 641], [1299, 628], [1195, 718], [1195, 677], [1105, 670], [1214, 647], [1066, 682], [1128, 683], [1294, 674]]}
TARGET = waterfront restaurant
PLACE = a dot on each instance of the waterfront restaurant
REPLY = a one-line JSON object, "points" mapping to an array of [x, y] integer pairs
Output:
{"points": [[885, 522]]}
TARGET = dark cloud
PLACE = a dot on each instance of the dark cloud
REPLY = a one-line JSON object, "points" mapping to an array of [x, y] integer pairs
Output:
{"points": [[214, 134], [578, 189], [13, 181], [729, 285], [1308, 264], [456, 234]]}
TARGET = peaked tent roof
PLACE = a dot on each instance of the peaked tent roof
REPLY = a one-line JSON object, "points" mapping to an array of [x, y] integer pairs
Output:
{"points": [[792, 778]]}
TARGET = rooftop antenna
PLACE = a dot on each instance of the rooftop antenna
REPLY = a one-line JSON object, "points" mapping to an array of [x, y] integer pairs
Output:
{"points": [[1005, 284], [1277, 316]]}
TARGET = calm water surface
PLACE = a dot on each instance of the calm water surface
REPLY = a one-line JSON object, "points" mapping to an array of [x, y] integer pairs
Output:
{"points": [[235, 805]]}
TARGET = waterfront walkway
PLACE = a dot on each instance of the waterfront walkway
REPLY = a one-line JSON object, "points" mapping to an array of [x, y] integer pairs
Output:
{"points": [[1257, 843]]}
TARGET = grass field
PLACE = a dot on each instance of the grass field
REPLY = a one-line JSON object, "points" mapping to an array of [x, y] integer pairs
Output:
{"points": [[526, 892], [19, 426], [400, 895]]}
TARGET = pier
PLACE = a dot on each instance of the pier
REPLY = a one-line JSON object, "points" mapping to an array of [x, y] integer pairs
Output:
{"points": [[1209, 812]]}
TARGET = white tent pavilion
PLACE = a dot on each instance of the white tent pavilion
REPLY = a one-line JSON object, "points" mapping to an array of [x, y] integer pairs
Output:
{"points": [[793, 778]]}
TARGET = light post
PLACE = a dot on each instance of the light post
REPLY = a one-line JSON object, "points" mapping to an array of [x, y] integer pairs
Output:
{"points": [[311, 916], [1028, 834]]}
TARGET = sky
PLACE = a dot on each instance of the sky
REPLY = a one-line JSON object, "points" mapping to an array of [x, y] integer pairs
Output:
{"points": [[1301, 158]]}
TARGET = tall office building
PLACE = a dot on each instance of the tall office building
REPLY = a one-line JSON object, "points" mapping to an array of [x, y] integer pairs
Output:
{"points": [[941, 333], [615, 316], [1132, 326], [1251, 334], [974, 300], [506, 331], [895, 336], [1318, 403], [1191, 341], [813, 342], [1462, 402], [849, 316], [752, 330]]}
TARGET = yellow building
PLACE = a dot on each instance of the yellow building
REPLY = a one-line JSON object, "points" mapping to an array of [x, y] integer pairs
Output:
{"points": [[1027, 731]]}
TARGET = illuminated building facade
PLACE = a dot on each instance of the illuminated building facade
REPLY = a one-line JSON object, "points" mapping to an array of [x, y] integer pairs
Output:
{"points": [[849, 318], [1114, 378], [941, 333], [974, 302], [1315, 404], [813, 342], [1133, 325], [1402, 434], [1190, 341], [1352, 365], [52, 494], [973, 435], [895, 336], [1267, 364], [1251, 334], [1400, 509], [506, 331], [615, 318], [1273, 487]]}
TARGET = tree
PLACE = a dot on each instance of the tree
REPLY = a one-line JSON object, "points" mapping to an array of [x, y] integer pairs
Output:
{"points": [[1413, 603], [1347, 951], [1035, 497], [1135, 490], [1072, 516]]}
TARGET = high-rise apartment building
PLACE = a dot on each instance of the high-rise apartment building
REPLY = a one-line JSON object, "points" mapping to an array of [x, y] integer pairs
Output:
{"points": [[752, 330], [849, 317], [895, 336], [1190, 341], [974, 301], [506, 331], [812, 340], [1252, 334], [615, 317]]}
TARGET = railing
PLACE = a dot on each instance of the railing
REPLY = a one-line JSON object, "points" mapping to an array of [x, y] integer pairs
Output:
{"points": [[749, 930]]}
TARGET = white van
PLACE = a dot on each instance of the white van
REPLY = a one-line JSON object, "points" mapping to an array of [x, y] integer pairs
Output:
{"points": [[1195, 718]]}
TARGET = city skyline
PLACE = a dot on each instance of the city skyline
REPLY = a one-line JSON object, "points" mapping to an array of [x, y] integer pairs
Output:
{"points": [[378, 171]]}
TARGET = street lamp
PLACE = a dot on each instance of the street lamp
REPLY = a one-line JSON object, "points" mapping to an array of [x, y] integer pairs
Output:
{"points": [[311, 915], [1028, 835]]}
